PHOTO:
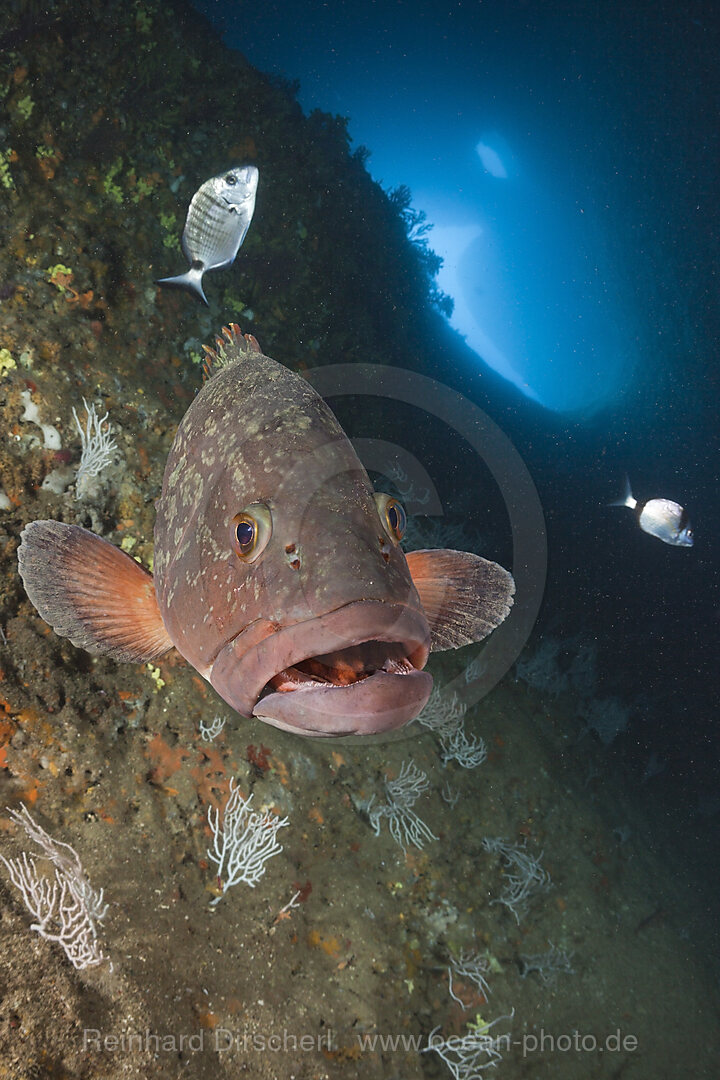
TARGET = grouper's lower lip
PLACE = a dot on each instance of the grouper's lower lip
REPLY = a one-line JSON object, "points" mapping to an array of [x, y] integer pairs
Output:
{"points": [[318, 697], [379, 702]]}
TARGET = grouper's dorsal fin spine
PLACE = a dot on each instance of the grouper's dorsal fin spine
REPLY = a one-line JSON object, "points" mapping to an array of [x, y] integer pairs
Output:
{"points": [[234, 347]]}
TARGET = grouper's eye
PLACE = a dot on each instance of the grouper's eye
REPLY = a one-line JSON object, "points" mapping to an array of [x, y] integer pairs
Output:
{"points": [[392, 516], [250, 531]]}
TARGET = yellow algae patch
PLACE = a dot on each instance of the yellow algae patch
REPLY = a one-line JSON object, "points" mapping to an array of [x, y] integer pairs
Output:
{"points": [[7, 362], [156, 677]]}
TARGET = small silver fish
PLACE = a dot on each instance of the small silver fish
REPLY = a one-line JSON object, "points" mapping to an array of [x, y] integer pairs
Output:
{"points": [[659, 517], [217, 220]]}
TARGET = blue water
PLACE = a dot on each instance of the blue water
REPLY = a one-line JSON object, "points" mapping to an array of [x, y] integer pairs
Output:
{"points": [[559, 270]]}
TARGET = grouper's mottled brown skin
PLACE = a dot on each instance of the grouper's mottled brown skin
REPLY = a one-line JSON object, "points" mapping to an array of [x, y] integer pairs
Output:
{"points": [[257, 432]]}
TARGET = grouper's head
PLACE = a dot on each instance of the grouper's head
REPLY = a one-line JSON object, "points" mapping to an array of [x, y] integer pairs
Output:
{"points": [[278, 570], [340, 637]]}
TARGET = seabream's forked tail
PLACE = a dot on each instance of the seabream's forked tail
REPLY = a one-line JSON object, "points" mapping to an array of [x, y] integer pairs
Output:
{"points": [[191, 280]]}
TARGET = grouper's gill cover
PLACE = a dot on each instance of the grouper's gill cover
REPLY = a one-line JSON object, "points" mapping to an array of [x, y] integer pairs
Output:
{"points": [[278, 571]]}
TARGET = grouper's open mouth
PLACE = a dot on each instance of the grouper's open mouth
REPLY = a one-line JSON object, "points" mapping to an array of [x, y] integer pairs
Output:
{"points": [[353, 671]]}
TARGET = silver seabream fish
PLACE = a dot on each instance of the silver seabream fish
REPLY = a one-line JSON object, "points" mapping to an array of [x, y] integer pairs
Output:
{"points": [[218, 218], [659, 517]]}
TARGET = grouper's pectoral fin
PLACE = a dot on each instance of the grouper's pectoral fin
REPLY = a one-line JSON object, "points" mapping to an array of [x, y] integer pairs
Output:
{"points": [[463, 595], [91, 592]]}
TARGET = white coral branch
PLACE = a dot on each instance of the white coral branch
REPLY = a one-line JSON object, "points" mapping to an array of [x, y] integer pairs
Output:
{"points": [[67, 909], [243, 842], [97, 446]]}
